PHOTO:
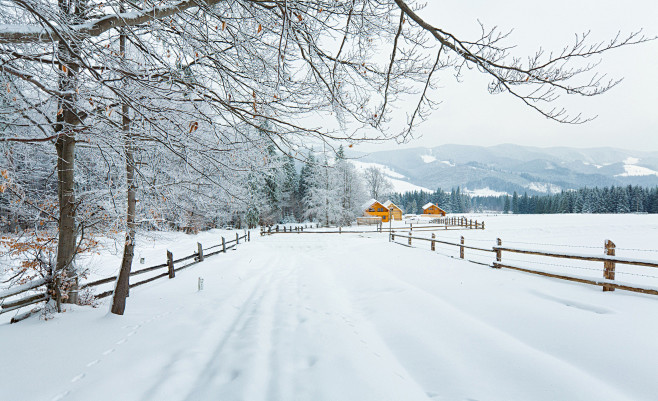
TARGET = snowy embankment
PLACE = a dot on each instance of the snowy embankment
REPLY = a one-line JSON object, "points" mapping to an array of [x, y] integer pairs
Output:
{"points": [[342, 317]]}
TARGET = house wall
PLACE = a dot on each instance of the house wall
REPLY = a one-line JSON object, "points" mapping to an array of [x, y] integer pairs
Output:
{"points": [[434, 210], [377, 210]]}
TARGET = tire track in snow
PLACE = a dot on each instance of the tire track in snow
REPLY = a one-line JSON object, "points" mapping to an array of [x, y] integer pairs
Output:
{"points": [[244, 351], [209, 326]]}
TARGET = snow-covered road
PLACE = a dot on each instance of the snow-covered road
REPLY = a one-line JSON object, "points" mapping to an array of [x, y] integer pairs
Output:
{"points": [[338, 318]]}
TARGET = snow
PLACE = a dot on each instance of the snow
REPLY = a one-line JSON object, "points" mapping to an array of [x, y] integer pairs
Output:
{"points": [[486, 191], [8, 29], [427, 205], [354, 317], [369, 203], [631, 170], [543, 187], [21, 288], [404, 186], [428, 158], [631, 160], [592, 164], [153, 247], [388, 204], [396, 179], [361, 166]]}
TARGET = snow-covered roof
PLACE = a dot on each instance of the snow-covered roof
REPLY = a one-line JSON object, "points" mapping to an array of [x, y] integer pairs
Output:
{"points": [[369, 203], [428, 205], [388, 204]]}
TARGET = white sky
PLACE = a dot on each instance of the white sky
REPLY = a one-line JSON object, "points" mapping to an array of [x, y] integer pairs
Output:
{"points": [[627, 115]]}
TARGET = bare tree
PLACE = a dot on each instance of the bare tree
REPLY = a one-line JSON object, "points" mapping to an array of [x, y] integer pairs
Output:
{"points": [[376, 182], [201, 76]]}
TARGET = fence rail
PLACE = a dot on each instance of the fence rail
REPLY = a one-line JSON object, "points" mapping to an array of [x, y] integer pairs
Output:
{"points": [[8, 306], [609, 261], [447, 223]]}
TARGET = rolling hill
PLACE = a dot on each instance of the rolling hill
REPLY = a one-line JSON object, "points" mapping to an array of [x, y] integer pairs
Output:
{"points": [[507, 168]]}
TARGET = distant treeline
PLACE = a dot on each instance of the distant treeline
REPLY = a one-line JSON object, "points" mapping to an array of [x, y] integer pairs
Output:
{"points": [[453, 202], [629, 199]]}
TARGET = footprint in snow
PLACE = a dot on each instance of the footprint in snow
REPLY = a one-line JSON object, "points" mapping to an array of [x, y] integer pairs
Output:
{"points": [[61, 396], [92, 363], [312, 361], [109, 351], [78, 377]]}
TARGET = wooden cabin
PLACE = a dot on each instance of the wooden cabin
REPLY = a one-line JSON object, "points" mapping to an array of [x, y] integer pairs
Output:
{"points": [[396, 212], [431, 208], [376, 209]]}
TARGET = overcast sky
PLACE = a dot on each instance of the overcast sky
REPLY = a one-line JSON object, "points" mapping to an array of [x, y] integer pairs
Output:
{"points": [[627, 115]]}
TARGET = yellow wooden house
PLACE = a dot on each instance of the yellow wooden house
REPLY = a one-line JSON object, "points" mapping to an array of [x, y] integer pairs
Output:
{"points": [[396, 212], [431, 208], [375, 209]]}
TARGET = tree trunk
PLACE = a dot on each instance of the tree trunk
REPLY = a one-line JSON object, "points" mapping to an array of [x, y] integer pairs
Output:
{"points": [[68, 117], [66, 245], [123, 282]]}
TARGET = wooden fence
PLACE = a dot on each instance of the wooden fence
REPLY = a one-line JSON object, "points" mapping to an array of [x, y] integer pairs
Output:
{"points": [[170, 265], [609, 261], [452, 223], [458, 222]]}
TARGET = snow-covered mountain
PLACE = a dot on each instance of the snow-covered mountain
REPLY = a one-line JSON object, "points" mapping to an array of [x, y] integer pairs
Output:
{"points": [[508, 168]]}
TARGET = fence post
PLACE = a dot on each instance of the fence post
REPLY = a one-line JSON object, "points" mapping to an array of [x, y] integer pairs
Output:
{"points": [[284, 229], [340, 230], [409, 237], [483, 225], [392, 236], [223, 245], [277, 228], [237, 238], [433, 246], [200, 250], [170, 264], [411, 227], [609, 267], [248, 236], [461, 249], [499, 253]]}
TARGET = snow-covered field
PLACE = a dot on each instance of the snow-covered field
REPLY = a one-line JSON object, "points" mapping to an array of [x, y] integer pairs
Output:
{"points": [[354, 317]]}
